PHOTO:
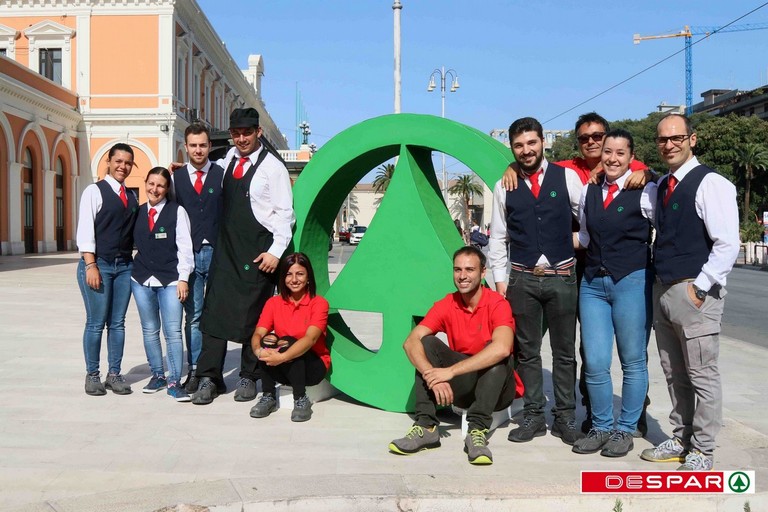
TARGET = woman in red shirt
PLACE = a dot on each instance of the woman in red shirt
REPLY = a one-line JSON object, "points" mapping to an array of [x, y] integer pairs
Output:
{"points": [[296, 354]]}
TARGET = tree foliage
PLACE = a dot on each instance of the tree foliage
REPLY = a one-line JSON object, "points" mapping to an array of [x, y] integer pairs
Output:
{"points": [[383, 177], [465, 187]]}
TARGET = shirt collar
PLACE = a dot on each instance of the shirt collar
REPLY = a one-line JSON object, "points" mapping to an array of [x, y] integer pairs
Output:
{"points": [[686, 168], [253, 156], [620, 181], [113, 182], [158, 207], [303, 302], [193, 171], [458, 302]]}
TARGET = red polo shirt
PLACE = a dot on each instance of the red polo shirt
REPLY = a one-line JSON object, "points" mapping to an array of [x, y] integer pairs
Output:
{"points": [[580, 166], [287, 318], [469, 331]]}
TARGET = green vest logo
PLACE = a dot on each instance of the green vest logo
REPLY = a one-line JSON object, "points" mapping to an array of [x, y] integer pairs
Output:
{"points": [[390, 273]]}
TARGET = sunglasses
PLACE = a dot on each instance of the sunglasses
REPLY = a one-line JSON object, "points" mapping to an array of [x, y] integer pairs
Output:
{"points": [[675, 139], [597, 137]]}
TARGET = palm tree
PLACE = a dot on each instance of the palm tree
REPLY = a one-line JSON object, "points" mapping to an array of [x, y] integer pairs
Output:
{"points": [[751, 157], [465, 187], [383, 177]]}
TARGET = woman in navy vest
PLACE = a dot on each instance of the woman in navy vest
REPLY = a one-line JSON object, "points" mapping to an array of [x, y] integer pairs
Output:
{"points": [[105, 241], [159, 280], [615, 296]]}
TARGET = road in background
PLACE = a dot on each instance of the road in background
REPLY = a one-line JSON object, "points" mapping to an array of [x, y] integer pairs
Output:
{"points": [[746, 306]]}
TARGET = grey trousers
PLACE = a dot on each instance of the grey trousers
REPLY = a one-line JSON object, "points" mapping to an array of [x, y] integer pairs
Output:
{"points": [[688, 342]]}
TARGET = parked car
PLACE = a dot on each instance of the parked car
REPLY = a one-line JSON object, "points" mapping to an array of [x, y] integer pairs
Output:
{"points": [[343, 235], [356, 234]]}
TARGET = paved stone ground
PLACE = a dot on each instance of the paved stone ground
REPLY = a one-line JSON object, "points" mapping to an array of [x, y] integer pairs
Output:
{"points": [[61, 450]]}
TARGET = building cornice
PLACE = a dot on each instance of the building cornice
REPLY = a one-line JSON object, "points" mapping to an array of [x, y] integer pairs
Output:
{"points": [[100, 7]]}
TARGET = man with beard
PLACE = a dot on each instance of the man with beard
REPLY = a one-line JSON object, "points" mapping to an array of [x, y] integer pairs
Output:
{"points": [[474, 370], [534, 221], [197, 187], [255, 230]]}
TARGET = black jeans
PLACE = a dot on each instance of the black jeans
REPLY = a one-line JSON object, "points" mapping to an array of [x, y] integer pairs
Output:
{"points": [[481, 393], [306, 370], [532, 299], [211, 360]]}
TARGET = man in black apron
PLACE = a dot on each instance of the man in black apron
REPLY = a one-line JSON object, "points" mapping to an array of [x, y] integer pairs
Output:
{"points": [[255, 230]]}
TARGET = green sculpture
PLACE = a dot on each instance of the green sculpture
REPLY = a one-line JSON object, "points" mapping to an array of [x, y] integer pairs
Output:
{"points": [[391, 273]]}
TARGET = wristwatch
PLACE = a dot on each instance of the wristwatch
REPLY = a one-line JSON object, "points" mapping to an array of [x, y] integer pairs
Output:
{"points": [[700, 294]]}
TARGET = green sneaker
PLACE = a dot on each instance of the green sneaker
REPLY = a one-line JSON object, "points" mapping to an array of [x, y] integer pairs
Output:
{"points": [[476, 446], [416, 439]]}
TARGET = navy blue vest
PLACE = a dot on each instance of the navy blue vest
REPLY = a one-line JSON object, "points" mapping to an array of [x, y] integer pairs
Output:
{"points": [[157, 249], [542, 225], [682, 243], [619, 237], [113, 224], [204, 209]]}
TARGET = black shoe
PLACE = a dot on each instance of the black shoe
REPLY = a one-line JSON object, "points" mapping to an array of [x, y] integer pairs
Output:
{"points": [[533, 426], [206, 392], [618, 445], [192, 383], [566, 430], [594, 441], [246, 390]]}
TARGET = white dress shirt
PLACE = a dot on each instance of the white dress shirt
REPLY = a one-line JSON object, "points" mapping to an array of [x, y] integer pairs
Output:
{"points": [[186, 263], [647, 203], [90, 204], [271, 197], [716, 207], [497, 244]]}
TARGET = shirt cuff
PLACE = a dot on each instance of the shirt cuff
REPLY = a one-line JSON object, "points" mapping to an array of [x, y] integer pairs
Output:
{"points": [[499, 276], [703, 282]]}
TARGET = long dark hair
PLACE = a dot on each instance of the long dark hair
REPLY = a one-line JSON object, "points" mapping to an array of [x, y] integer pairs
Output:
{"points": [[286, 263]]}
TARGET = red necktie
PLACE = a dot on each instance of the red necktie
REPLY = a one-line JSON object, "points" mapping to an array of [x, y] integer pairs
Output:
{"points": [[672, 182], [612, 188], [535, 187], [239, 169], [152, 213], [123, 197], [199, 182]]}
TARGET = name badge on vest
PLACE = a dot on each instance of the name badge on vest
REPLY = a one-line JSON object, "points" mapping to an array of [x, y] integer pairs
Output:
{"points": [[160, 236]]}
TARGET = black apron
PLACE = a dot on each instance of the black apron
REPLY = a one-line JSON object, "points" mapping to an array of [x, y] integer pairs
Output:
{"points": [[237, 290]]}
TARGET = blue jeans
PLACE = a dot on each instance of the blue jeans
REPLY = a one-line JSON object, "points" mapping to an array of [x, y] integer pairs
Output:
{"points": [[105, 307], [624, 309], [154, 303], [193, 307]]}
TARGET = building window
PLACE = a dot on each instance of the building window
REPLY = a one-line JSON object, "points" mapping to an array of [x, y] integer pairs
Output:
{"points": [[3, 52], [50, 64]]}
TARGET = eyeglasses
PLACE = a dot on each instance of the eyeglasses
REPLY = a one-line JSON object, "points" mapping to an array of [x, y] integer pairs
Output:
{"points": [[674, 139], [597, 137]]}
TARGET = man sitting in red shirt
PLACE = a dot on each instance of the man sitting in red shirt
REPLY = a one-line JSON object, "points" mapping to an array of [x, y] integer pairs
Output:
{"points": [[474, 371]]}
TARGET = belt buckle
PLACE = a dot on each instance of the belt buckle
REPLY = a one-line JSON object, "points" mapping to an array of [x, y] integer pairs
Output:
{"points": [[538, 271]]}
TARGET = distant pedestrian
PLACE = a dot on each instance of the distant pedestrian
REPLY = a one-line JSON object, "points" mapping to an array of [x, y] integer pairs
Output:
{"points": [[105, 241], [697, 243]]}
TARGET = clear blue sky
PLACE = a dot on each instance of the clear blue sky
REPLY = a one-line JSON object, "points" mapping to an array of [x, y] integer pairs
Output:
{"points": [[514, 59]]}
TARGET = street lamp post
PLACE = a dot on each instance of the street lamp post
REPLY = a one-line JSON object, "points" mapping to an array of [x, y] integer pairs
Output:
{"points": [[397, 7], [444, 75], [305, 131]]}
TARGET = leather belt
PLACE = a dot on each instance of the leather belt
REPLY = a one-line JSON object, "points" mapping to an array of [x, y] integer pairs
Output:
{"points": [[541, 270], [603, 272]]}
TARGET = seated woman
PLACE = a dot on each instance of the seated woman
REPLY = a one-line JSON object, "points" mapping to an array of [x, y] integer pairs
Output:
{"points": [[159, 280], [615, 296], [297, 355]]}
